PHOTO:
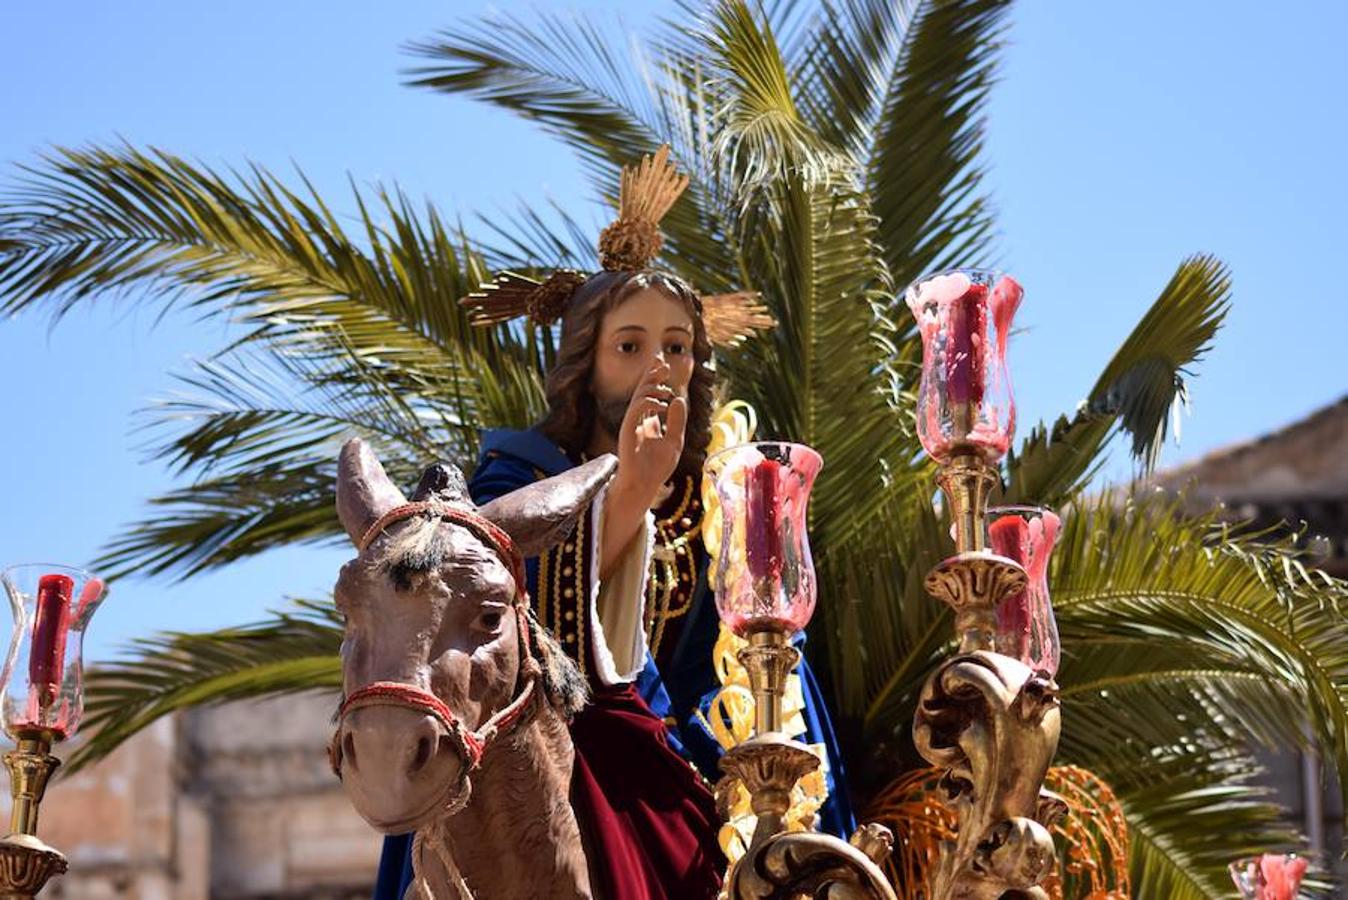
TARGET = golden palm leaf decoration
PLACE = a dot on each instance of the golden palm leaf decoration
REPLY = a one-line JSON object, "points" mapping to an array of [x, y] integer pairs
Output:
{"points": [[1092, 838], [730, 318], [510, 295], [645, 194]]}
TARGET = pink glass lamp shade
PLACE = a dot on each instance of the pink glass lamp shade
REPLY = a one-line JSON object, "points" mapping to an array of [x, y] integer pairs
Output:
{"points": [[764, 577], [1272, 876], [1026, 629], [964, 404], [43, 687]]}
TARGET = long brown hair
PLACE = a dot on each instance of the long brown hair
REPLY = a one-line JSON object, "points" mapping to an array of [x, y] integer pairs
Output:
{"points": [[571, 406]]}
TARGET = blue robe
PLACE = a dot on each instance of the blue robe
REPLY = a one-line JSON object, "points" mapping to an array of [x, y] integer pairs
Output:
{"points": [[683, 683]]}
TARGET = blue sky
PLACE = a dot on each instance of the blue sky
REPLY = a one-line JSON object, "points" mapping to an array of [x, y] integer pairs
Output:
{"points": [[1122, 137]]}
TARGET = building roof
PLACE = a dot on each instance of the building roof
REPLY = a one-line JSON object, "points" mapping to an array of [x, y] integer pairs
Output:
{"points": [[1297, 474]]}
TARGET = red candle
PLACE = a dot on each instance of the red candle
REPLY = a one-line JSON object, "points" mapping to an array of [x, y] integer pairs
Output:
{"points": [[964, 359], [51, 623], [761, 539], [1010, 537]]}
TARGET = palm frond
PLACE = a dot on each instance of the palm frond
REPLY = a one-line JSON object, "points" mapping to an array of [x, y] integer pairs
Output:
{"points": [[220, 520], [761, 136], [923, 167], [1138, 392], [847, 68], [353, 326], [1191, 811], [1144, 382], [99, 222], [610, 107], [294, 651], [534, 237], [575, 78], [1228, 621], [266, 463], [235, 413], [904, 632]]}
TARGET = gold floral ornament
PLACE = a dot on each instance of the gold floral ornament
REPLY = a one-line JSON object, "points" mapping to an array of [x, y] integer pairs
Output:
{"points": [[1092, 838], [629, 244], [731, 719]]}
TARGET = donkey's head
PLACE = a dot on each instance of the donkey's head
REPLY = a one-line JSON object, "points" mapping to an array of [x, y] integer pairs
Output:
{"points": [[440, 652]]}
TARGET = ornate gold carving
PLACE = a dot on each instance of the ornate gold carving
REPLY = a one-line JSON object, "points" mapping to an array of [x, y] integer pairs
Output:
{"points": [[807, 864], [874, 840], [778, 864], [26, 864], [992, 724], [973, 583], [769, 765]]}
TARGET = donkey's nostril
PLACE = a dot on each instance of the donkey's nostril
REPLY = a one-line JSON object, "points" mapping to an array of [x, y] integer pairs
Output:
{"points": [[348, 750], [425, 747]]}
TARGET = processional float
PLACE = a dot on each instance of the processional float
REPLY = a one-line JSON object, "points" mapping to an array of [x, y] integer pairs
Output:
{"points": [[988, 717]]}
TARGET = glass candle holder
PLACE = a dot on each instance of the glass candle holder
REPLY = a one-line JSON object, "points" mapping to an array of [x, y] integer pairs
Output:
{"points": [[1272, 876], [965, 405], [43, 676], [1026, 628], [764, 576]]}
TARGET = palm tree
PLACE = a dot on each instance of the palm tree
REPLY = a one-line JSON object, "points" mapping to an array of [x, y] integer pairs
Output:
{"points": [[835, 151]]}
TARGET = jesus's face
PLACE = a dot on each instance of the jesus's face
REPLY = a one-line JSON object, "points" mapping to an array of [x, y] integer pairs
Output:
{"points": [[648, 326]]}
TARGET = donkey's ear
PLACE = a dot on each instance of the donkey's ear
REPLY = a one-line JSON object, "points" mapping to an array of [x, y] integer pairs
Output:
{"points": [[364, 491], [541, 515]]}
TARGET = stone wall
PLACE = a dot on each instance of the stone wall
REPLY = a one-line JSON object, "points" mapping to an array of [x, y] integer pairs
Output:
{"points": [[229, 803]]}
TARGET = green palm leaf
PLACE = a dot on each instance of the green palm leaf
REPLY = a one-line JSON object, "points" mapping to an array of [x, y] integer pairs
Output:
{"points": [[295, 651], [1235, 621], [611, 108], [923, 163], [1191, 811], [1138, 392], [355, 332], [103, 221]]}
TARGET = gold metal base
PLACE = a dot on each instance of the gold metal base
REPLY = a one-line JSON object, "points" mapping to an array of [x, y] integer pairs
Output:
{"points": [[973, 583], [769, 765], [30, 768], [792, 865], [989, 721], [26, 864], [993, 725], [967, 482], [768, 660], [781, 865]]}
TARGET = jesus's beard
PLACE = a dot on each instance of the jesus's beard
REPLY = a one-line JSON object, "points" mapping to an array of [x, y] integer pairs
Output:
{"points": [[610, 412]]}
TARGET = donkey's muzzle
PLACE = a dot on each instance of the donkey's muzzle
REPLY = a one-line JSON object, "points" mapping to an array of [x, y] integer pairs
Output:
{"points": [[397, 765]]}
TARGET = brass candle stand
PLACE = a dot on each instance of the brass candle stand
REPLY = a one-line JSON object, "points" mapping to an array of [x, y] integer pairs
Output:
{"points": [[782, 865], [988, 720], [26, 863]]}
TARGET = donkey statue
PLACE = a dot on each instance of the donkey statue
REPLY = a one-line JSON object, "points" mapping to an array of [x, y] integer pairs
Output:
{"points": [[455, 703]]}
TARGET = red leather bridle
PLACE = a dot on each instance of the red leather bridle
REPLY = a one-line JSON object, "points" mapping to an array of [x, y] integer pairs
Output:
{"points": [[472, 744]]}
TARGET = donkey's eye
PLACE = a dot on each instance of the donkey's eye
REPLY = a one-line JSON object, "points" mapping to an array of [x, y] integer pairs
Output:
{"points": [[489, 620]]}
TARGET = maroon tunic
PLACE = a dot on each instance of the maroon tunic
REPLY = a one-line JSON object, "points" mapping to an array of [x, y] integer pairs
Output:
{"points": [[650, 824]]}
